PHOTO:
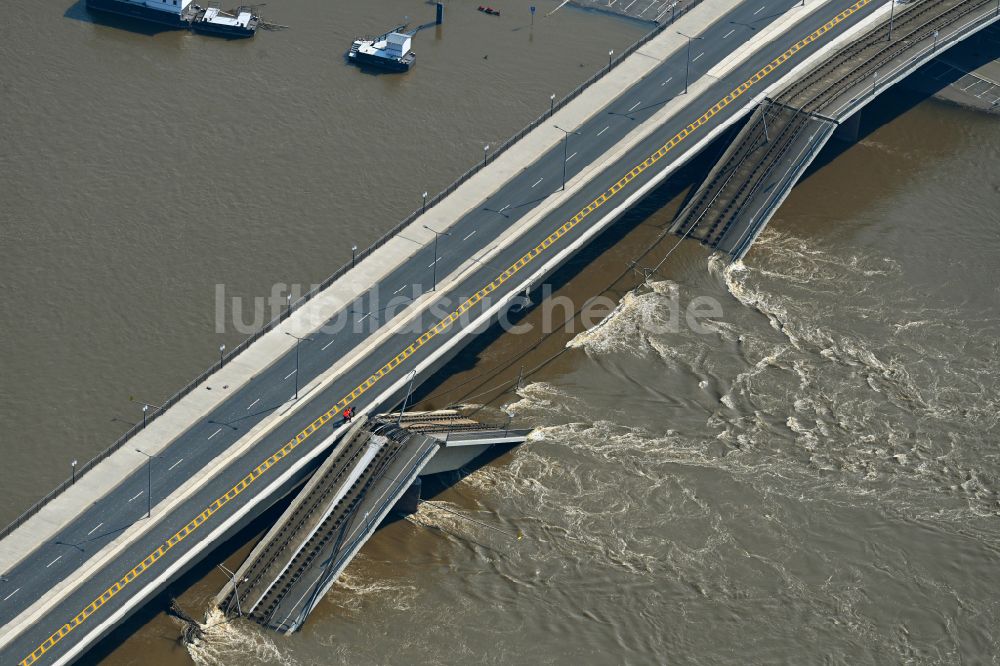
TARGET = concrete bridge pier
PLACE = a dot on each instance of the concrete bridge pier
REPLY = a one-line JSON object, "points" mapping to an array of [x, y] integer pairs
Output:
{"points": [[849, 129]]}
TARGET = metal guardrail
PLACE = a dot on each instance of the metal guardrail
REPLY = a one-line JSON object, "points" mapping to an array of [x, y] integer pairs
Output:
{"points": [[385, 238]]}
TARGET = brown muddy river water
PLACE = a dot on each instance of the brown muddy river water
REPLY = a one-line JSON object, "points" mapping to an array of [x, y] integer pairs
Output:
{"points": [[810, 477]]}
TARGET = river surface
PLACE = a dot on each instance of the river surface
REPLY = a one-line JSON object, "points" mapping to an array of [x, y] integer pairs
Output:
{"points": [[810, 477]]}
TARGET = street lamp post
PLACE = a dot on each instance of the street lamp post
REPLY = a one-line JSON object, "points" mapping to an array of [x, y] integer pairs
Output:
{"points": [[236, 590], [73, 467], [552, 104], [486, 153], [435, 264], [874, 82], [936, 36], [145, 408], [288, 304], [566, 134], [423, 207], [296, 373], [892, 10], [687, 68], [406, 397], [610, 53], [149, 482], [222, 354], [354, 255]]}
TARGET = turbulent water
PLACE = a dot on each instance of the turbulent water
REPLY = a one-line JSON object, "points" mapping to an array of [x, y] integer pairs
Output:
{"points": [[812, 478]]}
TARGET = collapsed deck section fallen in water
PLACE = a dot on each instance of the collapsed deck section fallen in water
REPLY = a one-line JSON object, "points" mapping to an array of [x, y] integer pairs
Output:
{"points": [[371, 471]]}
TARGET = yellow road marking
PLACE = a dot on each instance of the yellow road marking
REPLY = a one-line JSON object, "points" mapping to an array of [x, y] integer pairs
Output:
{"points": [[435, 330]]}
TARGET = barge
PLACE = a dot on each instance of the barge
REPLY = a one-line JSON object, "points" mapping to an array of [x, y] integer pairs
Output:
{"points": [[390, 51], [183, 15]]}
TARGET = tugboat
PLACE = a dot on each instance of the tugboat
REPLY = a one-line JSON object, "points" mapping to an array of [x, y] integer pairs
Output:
{"points": [[183, 15], [390, 51]]}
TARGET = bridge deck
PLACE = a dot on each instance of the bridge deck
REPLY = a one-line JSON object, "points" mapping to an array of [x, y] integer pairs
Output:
{"points": [[508, 233], [340, 507], [784, 135]]}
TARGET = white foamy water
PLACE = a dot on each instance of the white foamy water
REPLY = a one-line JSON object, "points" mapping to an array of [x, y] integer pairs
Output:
{"points": [[812, 477]]}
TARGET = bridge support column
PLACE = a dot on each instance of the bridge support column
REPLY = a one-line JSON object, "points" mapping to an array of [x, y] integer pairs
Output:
{"points": [[410, 500], [849, 130]]}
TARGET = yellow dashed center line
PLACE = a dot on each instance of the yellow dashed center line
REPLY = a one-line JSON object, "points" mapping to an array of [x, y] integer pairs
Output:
{"points": [[426, 337]]}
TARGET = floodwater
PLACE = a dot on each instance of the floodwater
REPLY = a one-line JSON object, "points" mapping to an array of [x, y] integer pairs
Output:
{"points": [[812, 476]]}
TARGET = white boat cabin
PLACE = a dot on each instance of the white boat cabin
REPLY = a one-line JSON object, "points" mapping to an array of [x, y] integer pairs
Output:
{"points": [[172, 6]]}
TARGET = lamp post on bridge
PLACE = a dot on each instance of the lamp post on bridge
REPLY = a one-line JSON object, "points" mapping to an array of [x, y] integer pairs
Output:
{"points": [[935, 33], [296, 373], [687, 68], [72, 466], [610, 53], [552, 104], [149, 482], [434, 266], [892, 10], [354, 255], [566, 134], [146, 405], [222, 355], [423, 206], [874, 82], [486, 153], [236, 590]]}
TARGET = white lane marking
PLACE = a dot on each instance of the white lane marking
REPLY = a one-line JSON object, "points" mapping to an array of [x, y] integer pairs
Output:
{"points": [[369, 314], [220, 429], [332, 341], [603, 131], [95, 529], [667, 81], [504, 208], [137, 495], [571, 157], [697, 56], [53, 562], [537, 181], [759, 10], [393, 293], [175, 464], [12, 594], [729, 33], [473, 233], [252, 404], [635, 105], [286, 377], [431, 265]]}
